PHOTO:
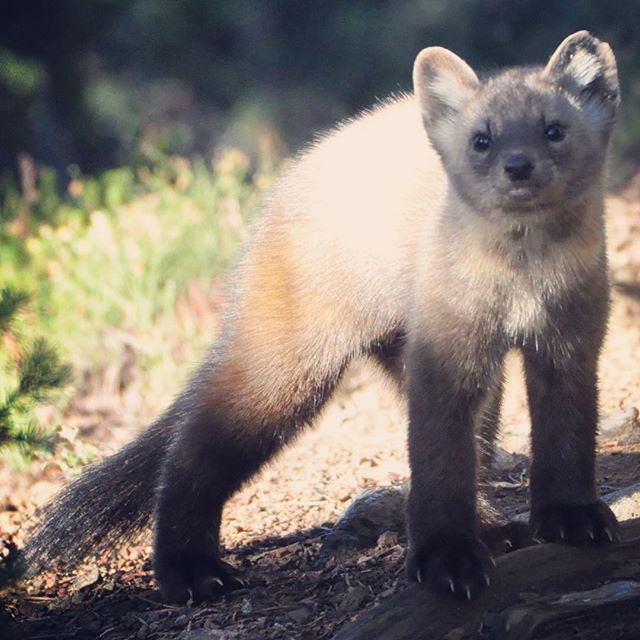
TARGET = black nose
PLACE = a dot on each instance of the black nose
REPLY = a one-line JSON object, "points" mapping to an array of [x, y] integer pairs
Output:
{"points": [[518, 167]]}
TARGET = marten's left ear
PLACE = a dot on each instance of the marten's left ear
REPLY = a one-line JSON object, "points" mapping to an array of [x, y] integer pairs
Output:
{"points": [[585, 67]]}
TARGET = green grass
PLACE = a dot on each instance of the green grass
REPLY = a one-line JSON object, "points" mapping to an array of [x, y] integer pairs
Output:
{"points": [[126, 265]]}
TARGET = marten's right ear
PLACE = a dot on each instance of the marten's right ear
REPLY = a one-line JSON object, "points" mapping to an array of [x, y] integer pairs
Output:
{"points": [[443, 83]]}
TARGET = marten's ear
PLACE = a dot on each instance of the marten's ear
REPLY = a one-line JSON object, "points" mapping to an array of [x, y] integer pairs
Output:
{"points": [[443, 83], [585, 68]]}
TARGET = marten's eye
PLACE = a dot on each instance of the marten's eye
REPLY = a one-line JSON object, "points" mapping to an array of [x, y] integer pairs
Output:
{"points": [[554, 132], [481, 142]]}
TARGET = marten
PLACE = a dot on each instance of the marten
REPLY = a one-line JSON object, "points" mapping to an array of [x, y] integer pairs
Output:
{"points": [[434, 233]]}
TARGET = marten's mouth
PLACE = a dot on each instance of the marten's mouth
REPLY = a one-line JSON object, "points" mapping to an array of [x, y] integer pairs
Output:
{"points": [[526, 204], [526, 198], [523, 192]]}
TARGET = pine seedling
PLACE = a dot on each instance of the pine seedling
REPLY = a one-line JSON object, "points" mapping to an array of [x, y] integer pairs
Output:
{"points": [[37, 372]]}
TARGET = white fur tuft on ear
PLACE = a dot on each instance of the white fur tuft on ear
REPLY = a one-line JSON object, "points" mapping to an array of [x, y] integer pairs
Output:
{"points": [[586, 67]]}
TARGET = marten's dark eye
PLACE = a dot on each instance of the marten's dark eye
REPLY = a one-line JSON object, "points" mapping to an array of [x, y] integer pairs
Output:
{"points": [[481, 142], [554, 132]]}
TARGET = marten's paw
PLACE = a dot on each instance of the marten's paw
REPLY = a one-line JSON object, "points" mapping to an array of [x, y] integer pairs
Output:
{"points": [[195, 580], [506, 537], [459, 565], [587, 524]]}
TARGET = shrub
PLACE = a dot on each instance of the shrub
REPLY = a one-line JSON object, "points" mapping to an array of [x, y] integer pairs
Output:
{"points": [[32, 374]]}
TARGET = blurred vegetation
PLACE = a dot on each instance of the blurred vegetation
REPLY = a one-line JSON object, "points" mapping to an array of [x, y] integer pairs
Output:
{"points": [[93, 83], [120, 265]]}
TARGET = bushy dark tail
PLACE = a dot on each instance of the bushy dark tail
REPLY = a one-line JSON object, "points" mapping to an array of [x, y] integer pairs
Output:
{"points": [[106, 506]]}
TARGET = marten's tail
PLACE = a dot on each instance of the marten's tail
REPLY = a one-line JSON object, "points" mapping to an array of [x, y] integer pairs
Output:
{"points": [[110, 503]]}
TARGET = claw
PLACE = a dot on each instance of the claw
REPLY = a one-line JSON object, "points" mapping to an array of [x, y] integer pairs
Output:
{"points": [[468, 591], [508, 544], [218, 582], [561, 533], [609, 534], [591, 534], [493, 561], [419, 576], [537, 540], [487, 580], [452, 587]]}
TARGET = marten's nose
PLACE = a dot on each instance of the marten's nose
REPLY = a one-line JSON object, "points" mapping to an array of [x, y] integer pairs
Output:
{"points": [[518, 167]]}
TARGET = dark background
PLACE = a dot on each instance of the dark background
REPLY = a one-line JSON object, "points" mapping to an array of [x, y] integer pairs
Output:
{"points": [[92, 83]]}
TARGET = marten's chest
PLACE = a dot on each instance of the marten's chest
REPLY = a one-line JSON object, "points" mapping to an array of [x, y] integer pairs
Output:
{"points": [[515, 285]]}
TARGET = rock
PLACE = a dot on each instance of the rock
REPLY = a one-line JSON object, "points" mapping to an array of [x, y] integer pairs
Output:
{"points": [[354, 598], [625, 503], [200, 634], [374, 513], [206, 634], [622, 427], [300, 615], [387, 539], [143, 632], [503, 461], [86, 579]]}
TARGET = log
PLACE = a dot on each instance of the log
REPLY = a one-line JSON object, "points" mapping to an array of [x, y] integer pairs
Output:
{"points": [[544, 591]]}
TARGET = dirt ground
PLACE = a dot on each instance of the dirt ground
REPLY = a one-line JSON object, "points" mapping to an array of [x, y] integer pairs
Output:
{"points": [[273, 529]]}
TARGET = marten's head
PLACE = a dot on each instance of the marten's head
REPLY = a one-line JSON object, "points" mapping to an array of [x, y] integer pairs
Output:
{"points": [[526, 140]]}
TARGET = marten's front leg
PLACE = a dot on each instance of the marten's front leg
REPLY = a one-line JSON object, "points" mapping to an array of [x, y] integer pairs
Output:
{"points": [[563, 399], [446, 390]]}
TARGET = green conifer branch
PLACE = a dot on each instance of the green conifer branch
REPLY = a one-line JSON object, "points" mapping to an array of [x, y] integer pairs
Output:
{"points": [[39, 372]]}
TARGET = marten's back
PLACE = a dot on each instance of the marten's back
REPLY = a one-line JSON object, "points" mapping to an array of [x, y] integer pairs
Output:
{"points": [[344, 219]]}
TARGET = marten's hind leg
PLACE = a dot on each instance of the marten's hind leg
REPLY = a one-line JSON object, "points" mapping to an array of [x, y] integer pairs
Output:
{"points": [[388, 353], [245, 410], [496, 531], [294, 329]]}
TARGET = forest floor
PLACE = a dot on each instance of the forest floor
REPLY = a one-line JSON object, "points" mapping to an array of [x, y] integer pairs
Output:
{"points": [[273, 529]]}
